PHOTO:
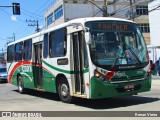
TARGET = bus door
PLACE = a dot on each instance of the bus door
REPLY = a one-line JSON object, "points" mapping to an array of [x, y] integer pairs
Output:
{"points": [[38, 66], [78, 62]]}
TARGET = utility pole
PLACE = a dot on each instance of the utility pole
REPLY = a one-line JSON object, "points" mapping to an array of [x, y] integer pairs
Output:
{"points": [[35, 24], [105, 12], [103, 9], [131, 11], [14, 38]]}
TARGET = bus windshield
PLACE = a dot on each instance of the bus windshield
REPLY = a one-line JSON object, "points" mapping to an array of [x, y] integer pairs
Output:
{"points": [[117, 44]]}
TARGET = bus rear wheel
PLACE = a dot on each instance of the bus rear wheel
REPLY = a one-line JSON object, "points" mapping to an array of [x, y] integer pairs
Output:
{"points": [[21, 88], [64, 91]]}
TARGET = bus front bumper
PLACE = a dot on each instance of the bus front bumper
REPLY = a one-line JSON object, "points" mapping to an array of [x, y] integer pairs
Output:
{"points": [[100, 89]]}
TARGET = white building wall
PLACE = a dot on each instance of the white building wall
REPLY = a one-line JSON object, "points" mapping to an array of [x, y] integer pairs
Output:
{"points": [[154, 53], [154, 21]]}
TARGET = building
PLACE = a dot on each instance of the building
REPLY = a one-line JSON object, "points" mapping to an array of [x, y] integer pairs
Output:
{"points": [[154, 15], [65, 10]]}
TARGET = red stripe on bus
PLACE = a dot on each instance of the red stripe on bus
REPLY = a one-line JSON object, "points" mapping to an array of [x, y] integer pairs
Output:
{"points": [[15, 67], [23, 63]]}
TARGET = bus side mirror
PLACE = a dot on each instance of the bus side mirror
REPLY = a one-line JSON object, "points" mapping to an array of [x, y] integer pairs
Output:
{"points": [[88, 38]]}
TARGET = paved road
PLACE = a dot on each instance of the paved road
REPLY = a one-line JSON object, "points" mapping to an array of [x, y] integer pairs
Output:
{"points": [[11, 100]]}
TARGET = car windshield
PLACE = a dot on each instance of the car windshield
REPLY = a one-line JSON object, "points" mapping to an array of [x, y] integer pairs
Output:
{"points": [[3, 70], [116, 43]]}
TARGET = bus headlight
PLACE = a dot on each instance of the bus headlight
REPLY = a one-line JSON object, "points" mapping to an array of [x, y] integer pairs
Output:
{"points": [[99, 75]]}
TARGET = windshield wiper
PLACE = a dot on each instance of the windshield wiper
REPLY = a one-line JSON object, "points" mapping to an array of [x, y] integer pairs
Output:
{"points": [[130, 49], [133, 53], [117, 57]]}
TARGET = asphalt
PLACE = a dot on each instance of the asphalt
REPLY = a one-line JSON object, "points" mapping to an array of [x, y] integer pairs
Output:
{"points": [[156, 80]]}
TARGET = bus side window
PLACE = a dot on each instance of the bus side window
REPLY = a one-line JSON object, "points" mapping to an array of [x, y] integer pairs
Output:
{"points": [[18, 51], [45, 46], [52, 42], [10, 53], [27, 51], [58, 43]]}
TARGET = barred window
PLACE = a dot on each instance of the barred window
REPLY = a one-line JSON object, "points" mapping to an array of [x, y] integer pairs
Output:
{"points": [[142, 10], [144, 27], [58, 13], [50, 19]]}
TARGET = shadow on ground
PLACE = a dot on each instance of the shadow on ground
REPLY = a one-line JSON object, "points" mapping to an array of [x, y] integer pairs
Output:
{"points": [[98, 104], [109, 103]]}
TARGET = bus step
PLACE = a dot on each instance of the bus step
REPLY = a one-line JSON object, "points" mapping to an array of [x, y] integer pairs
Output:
{"points": [[79, 95], [39, 89]]}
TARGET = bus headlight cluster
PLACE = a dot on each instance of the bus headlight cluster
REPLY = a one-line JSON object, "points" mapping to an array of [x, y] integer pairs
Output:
{"points": [[99, 75]]}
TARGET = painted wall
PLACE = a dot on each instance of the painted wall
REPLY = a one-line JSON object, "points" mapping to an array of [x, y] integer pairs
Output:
{"points": [[154, 20], [154, 54], [73, 11]]}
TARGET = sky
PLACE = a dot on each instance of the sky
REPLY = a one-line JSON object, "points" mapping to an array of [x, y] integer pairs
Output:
{"points": [[16, 24]]}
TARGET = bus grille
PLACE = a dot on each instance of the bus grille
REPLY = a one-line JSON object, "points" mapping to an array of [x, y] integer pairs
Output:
{"points": [[127, 79]]}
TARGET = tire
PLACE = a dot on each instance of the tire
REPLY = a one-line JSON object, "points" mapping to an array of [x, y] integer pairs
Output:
{"points": [[64, 91], [21, 89]]}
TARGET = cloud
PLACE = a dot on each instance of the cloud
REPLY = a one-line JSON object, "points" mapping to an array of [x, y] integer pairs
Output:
{"points": [[13, 18]]}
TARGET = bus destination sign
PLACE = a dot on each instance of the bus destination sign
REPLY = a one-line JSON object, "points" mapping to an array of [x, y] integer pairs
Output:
{"points": [[115, 26]]}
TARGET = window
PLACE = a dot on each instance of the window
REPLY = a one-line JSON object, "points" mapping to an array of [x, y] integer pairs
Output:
{"points": [[58, 13], [57, 43], [85, 55], [45, 47], [27, 49], [18, 51], [50, 19], [10, 53], [144, 27], [3, 69], [142, 10]]}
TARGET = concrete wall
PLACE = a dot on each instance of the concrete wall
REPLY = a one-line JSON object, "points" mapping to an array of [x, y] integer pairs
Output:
{"points": [[73, 11]]}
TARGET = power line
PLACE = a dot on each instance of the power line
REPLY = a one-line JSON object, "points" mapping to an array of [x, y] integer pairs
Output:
{"points": [[25, 12], [94, 5], [35, 13], [154, 8], [42, 6], [97, 13]]}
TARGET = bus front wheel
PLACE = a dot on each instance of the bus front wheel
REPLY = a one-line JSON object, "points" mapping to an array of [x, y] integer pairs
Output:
{"points": [[64, 91], [20, 85]]}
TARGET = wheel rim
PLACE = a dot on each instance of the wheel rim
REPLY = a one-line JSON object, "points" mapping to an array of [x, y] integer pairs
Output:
{"points": [[64, 90]]}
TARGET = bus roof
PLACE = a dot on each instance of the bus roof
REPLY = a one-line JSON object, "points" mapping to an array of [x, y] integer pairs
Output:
{"points": [[79, 20]]}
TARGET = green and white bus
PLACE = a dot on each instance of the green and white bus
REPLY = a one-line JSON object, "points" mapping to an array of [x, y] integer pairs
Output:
{"points": [[89, 58]]}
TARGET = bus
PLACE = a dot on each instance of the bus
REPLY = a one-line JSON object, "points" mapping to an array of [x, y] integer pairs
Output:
{"points": [[92, 58]]}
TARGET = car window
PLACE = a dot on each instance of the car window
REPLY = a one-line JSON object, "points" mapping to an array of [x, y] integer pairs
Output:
{"points": [[3, 70]]}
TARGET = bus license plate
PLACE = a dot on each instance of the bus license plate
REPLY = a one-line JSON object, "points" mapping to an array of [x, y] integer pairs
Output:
{"points": [[127, 87]]}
